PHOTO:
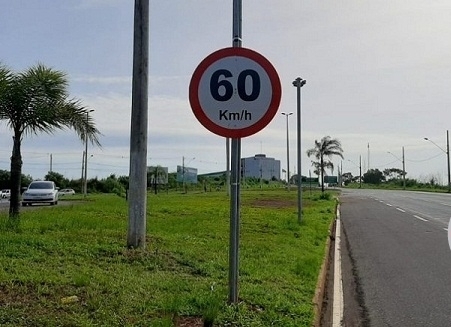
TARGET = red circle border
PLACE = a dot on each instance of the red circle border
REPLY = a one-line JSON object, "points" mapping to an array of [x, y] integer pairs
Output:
{"points": [[235, 52]]}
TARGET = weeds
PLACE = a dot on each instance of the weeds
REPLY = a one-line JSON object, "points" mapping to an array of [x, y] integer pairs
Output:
{"points": [[79, 251]]}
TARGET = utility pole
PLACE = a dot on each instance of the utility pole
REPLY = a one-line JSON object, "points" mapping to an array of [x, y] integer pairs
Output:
{"points": [[360, 168], [136, 237], [288, 150], [85, 188], [82, 172], [403, 170], [403, 161], [447, 153]]}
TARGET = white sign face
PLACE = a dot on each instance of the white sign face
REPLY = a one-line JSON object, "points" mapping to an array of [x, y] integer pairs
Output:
{"points": [[235, 92]]}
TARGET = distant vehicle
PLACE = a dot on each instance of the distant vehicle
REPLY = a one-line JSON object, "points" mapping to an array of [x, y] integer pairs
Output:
{"points": [[40, 192], [66, 191], [5, 194]]}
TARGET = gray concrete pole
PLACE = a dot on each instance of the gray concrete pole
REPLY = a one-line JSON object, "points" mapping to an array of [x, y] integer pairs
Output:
{"points": [[288, 150], [85, 186], [82, 179], [288, 156], [136, 237], [85, 177], [447, 155]]}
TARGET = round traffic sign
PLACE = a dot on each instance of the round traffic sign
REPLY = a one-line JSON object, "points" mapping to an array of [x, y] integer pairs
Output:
{"points": [[235, 92]]}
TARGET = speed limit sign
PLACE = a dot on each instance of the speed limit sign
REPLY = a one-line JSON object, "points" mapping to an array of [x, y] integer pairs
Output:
{"points": [[235, 92]]}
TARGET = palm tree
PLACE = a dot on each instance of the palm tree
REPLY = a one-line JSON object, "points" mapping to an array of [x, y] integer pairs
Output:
{"points": [[324, 150], [37, 101]]}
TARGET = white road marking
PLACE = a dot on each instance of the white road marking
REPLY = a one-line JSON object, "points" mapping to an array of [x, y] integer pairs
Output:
{"points": [[399, 209], [421, 218], [389, 204], [337, 307]]}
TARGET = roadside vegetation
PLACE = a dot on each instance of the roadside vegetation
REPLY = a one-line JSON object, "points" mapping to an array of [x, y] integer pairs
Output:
{"points": [[392, 179], [68, 265]]}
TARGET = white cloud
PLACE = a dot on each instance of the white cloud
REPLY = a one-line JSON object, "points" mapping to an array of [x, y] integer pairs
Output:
{"points": [[377, 72]]}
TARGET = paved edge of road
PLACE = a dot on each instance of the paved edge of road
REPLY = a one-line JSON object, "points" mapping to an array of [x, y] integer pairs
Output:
{"points": [[318, 298], [337, 306]]}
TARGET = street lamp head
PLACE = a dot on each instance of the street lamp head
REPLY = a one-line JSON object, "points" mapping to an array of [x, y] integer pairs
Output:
{"points": [[426, 139], [287, 114], [299, 82]]}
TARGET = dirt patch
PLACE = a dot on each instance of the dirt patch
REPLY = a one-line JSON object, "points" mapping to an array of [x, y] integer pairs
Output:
{"points": [[189, 322], [273, 203]]}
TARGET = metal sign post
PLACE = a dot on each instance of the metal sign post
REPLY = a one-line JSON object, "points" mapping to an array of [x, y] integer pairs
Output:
{"points": [[235, 92], [235, 179]]}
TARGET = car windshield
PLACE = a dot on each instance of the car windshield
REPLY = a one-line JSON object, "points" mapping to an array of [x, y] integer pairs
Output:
{"points": [[41, 185]]}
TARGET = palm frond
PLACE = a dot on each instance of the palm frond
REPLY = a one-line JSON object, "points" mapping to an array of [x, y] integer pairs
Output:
{"points": [[37, 102]]}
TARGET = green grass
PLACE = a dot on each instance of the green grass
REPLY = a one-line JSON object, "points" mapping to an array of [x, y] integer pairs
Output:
{"points": [[79, 250]]}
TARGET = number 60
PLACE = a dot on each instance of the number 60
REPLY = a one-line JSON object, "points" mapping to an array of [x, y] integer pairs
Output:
{"points": [[216, 83]]}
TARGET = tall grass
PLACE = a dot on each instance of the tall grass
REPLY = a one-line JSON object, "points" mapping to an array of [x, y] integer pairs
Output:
{"points": [[78, 252]]}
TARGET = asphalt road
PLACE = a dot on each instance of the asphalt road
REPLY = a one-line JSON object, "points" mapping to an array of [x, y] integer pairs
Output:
{"points": [[398, 242]]}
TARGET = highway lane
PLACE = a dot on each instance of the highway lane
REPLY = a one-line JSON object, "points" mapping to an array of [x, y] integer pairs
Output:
{"points": [[432, 206], [399, 246]]}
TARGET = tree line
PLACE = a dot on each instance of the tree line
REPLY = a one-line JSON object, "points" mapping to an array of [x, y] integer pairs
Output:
{"points": [[391, 177]]}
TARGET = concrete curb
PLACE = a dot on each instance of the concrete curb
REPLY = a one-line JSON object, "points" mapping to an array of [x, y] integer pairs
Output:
{"points": [[337, 308], [321, 283]]}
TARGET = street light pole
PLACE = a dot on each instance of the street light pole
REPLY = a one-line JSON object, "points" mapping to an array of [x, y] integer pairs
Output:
{"points": [[298, 83], [288, 151], [447, 155], [85, 188]]}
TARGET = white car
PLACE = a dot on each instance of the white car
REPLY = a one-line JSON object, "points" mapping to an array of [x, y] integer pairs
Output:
{"points": [[40, 192], [5, 194], [66, 191]]}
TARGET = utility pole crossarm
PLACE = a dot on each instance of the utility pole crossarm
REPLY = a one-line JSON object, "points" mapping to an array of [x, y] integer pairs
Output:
{"points": [[447, 155]]}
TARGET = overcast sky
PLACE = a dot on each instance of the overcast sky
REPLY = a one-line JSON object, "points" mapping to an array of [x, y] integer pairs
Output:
{"points": [[378, 73]]}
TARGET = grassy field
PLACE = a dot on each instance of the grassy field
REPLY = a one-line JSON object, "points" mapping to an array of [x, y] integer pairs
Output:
{"points": [[68, 265]]}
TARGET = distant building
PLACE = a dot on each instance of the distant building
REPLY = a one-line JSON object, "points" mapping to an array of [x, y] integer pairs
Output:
{"points": [[260, 166], [186, 175]]}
